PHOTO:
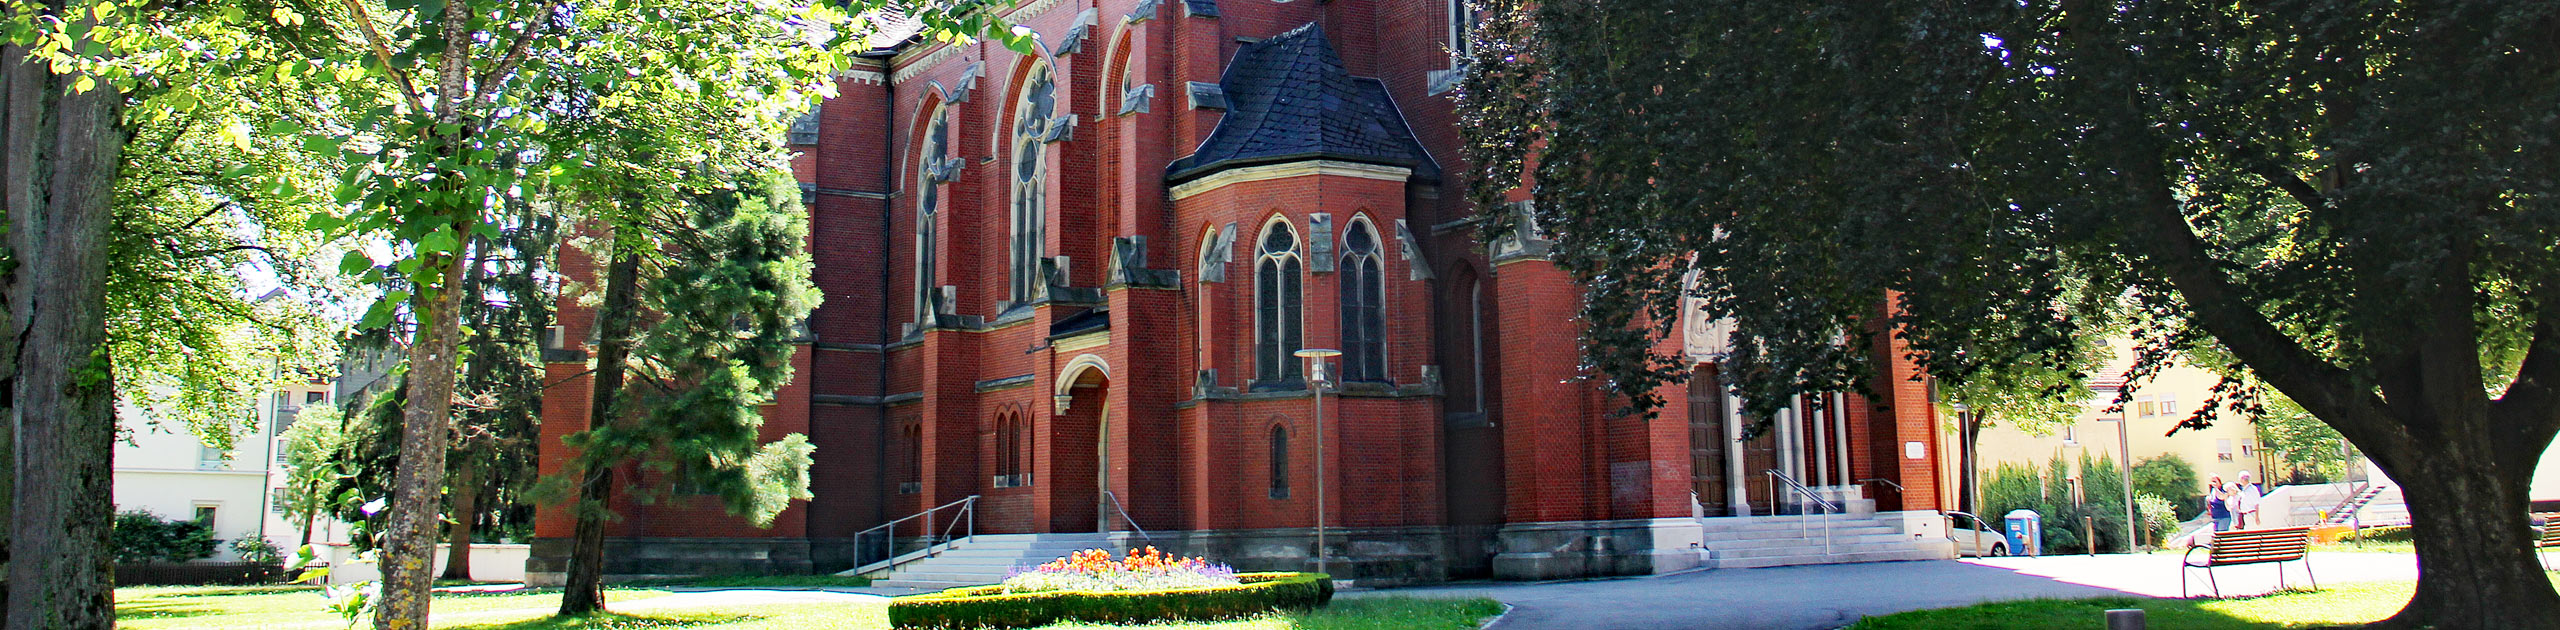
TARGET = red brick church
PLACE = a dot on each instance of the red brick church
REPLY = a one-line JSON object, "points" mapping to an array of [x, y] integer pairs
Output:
{"points": [[1065, 292]]}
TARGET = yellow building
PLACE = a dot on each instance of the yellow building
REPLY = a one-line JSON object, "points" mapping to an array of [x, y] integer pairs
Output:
{"points": [[2225, 449]]}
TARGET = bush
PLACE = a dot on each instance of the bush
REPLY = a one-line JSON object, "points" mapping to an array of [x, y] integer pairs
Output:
{"points": [[2388, 533], [141, 536], [2170, 477], [2159, 518], [990, 606], [257, 551], [2048, 493]]}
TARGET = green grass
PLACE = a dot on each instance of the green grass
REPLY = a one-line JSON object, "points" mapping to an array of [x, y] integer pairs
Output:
{"points": [[756, 581], [2348, 604], [152, 607], [1367, 613], [300, 607]]}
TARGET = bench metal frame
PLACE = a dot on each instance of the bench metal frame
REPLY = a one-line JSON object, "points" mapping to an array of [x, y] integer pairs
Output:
{"points": [[2251, 546]]}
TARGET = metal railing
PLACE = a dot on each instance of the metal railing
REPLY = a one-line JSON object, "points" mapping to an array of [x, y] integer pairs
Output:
{"points": [[879, 548], [1805, 523], [1124, 516], [1897, 488]]}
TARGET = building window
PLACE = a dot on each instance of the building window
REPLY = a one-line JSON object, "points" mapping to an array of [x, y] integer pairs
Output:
{"points": [[929, 178], [1364, 297], [210, 457], [314, 398], [1013, 450], [206, 513], [911, 471], [1030, 174], [2222, 449], [2169, 406], [1279, 462], [1276, 329], [1462, 22]]}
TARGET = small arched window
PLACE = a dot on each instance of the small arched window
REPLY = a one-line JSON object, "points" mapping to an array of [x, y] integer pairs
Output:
{"points": [[1279, 462], [1364, 298], [1031, 134], [1276, 329]]}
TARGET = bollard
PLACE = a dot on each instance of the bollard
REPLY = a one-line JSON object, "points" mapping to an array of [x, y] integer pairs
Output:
{"points": [[2125, 619]]}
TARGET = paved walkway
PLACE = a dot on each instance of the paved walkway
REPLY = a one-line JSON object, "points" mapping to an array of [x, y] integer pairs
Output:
{"points": [[1824, 597]]}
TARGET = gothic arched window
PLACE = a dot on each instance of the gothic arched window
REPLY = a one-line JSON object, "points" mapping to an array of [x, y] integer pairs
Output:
{"points": [[1279, 462], [930, 173], [1276, 329], [1364, 299], [1031, 134]]}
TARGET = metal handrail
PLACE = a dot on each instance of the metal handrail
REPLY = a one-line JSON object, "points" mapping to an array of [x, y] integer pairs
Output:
{"points": [[968, 508], [1803, 523], [1896, 487], [1124, 515], [2355, 491]]}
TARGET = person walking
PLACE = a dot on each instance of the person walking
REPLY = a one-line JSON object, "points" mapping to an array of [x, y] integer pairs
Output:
{"points": [[2244, 503], [2217, 503]]}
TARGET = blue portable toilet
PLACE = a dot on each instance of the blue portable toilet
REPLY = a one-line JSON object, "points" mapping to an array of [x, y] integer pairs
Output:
{"points": [[2026, 533]]}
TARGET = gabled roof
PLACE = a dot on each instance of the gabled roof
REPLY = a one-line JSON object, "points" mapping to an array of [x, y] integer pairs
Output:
{"points": [[1289, 99]]}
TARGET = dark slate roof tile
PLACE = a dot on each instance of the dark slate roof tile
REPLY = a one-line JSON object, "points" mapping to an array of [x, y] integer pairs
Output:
{"points": [[1289, 98]]}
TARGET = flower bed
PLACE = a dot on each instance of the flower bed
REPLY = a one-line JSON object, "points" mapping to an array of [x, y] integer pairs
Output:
{"points": [[1090, 586]]}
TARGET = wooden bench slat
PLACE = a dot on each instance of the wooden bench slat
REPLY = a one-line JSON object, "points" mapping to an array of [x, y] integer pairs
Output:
{"points": [[2254, 546]]}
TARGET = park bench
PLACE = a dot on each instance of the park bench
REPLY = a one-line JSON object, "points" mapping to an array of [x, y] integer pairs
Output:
{"points": [[2548, 537], [2249, 546]]}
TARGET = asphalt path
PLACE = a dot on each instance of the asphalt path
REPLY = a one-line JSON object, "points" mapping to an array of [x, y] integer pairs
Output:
{"points": [[1830, 596]]}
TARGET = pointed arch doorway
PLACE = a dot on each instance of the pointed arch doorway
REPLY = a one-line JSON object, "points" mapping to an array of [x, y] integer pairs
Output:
{"points": [[1080, 459]]}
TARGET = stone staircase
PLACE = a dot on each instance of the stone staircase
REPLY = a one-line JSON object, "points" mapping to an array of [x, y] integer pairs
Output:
{"points": [[986, 559], [1776, 541]]}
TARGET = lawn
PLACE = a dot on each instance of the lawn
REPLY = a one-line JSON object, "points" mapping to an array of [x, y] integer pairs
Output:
{"points": [[2347, 604], [300, 607], [303, 606]]}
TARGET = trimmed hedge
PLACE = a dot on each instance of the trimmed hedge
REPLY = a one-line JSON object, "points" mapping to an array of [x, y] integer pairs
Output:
{"points": [[991, 607]]}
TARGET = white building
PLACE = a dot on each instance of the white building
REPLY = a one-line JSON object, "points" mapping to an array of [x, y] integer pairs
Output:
{"points": [[166, 469]]}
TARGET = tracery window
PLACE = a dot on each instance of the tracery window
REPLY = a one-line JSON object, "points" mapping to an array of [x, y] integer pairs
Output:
{"points": [[930, 174], [1031, 121], [1364, 298], [1276, 329]]}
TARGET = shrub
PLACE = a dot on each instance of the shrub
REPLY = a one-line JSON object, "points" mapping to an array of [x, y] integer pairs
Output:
{"points": [[2170, 477], [2159, 518], [258, 551], [2387, 533], [1144, 570], [141, 536], [991, 606]]}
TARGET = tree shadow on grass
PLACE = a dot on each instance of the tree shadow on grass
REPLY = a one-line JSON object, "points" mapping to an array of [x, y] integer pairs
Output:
{"points": [[150, 610], [616, 621], [2184, 614]]}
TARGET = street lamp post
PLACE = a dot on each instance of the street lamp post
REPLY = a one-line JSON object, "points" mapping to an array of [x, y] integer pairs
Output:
{"points": [[1315, 385]]}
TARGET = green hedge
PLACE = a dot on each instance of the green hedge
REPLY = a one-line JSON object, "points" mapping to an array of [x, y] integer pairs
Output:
{"points": [[991, 607]]}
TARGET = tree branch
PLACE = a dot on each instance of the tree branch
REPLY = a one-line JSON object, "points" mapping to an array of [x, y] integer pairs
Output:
{"points": [[515, 52], [382, 51]]}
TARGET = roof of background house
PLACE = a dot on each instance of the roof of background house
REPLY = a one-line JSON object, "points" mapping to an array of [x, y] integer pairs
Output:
{"points": [[1289, 99]]}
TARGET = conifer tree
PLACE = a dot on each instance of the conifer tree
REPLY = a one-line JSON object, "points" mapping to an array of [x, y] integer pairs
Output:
{"points": [[722, 279]]}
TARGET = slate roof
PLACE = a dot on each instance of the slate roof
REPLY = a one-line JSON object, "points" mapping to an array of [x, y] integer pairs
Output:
{"points": [[1289, 99]]}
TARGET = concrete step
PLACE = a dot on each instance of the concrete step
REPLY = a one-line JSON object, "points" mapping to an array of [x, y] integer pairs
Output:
{"points": [[1792, 533], [1796, 560], [1836, 540], [929, 585], [1805, 550]]}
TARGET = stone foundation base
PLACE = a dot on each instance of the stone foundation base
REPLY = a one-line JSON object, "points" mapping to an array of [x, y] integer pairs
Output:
{"points": [[1369, 556], [1570, 549], [647, 558]]}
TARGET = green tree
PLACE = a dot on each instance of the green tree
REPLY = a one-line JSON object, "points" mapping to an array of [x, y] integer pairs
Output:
{"points": [[310, 465], [2352, 202], [2171, 478], [727, 294], [2302, 440]]}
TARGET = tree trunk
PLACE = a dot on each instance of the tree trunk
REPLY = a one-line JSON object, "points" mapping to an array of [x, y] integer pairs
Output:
{"points": [[2471, 523], [584, 592], [408, 558], [22, 116], [61, 575], [466, 503]]}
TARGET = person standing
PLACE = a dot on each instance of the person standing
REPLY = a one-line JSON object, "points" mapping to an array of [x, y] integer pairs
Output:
{"points": [[2217, 503], [2244, 503]]}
